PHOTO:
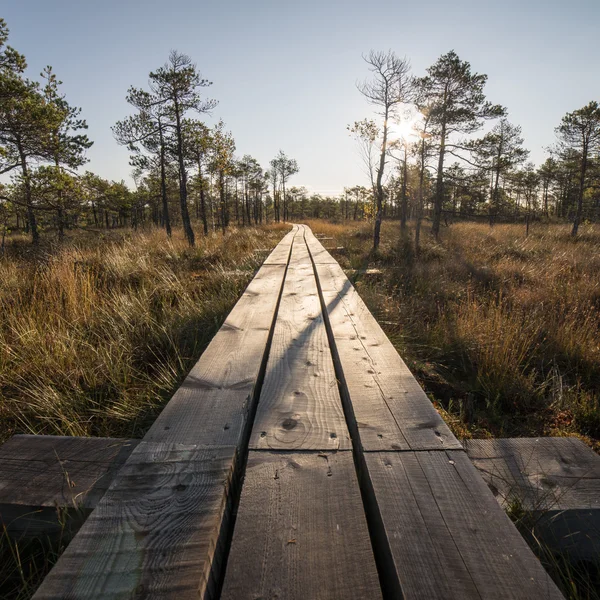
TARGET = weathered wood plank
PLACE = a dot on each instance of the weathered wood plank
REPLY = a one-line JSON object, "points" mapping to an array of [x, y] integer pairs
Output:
{"points": [[154, 533], [391, 409], [51, 483], [300, 405], [556, 480], [448, 536], [539, 473], [299, 256], [281, 252], [319, 254], [47, 470], [300, 531], [211, 406]]}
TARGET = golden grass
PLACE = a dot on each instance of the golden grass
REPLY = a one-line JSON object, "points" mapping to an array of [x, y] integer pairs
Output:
{"points": [[508, 322], [96, 334]]}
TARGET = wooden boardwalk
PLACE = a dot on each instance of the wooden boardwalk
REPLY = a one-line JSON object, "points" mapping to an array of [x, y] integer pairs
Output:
{"points": [[300, 459]]}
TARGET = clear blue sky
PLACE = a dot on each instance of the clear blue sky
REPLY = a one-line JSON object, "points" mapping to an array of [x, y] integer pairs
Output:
{"points": [[285, 72]]}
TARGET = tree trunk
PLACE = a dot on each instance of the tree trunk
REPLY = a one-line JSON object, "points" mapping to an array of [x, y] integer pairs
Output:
{"points": [[420, 200], [203, 208], [275, 203], [285, 209], [60, 223], [35, 236], [163, 183], [379, 184], [439, 187], [580, 190], [403, 195], [223, 200], [185, 215]]}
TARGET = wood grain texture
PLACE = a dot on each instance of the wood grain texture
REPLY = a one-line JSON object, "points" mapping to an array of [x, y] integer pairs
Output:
{"points": [[50, 484], [281, 252], [449, 537], [211, 406], [300, 531], [300, 406], [46, 470], [391, 409], [154, 533], [541, 473]]}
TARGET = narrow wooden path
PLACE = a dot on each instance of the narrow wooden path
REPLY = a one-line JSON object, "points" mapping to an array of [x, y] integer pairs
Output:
{"points": [[300, 459]]}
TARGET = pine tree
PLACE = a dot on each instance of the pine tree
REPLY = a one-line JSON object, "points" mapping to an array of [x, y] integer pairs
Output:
{"points": [[453, 97], [176, 87], [579, 132]]}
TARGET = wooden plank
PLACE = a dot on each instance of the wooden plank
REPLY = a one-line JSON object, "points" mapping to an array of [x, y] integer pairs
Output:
{"points": [[46, 470], [332, 278], [50, 484], [319, 254], [539, 473], [154, 533], [391, 409], [211, 407], [281, 252], [299, 256], [300, 531], [449, 538], [300, 405]]}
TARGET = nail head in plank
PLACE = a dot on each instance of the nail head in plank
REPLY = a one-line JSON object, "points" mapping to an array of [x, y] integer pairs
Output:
{"points": [[300, 531]]}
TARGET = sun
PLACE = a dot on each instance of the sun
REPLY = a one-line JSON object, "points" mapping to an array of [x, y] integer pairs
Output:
{"points": [[404, 128]]}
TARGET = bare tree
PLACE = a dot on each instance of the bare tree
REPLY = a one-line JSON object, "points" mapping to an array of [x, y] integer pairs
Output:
{"points": [[389, 88]]}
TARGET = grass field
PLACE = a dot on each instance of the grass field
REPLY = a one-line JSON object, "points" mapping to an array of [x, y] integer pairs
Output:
{"points": [[502, 330], [96, 334]]}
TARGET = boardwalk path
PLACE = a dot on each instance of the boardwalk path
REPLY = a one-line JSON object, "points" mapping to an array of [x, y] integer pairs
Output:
{"points": [[300, 459]]}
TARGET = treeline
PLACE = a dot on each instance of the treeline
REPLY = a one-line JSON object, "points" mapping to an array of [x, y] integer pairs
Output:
{"points": [[440, 168], [185, 172]]}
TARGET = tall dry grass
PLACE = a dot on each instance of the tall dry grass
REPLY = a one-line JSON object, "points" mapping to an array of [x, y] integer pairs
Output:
{"points": [[506, 323], [96, 334]]}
